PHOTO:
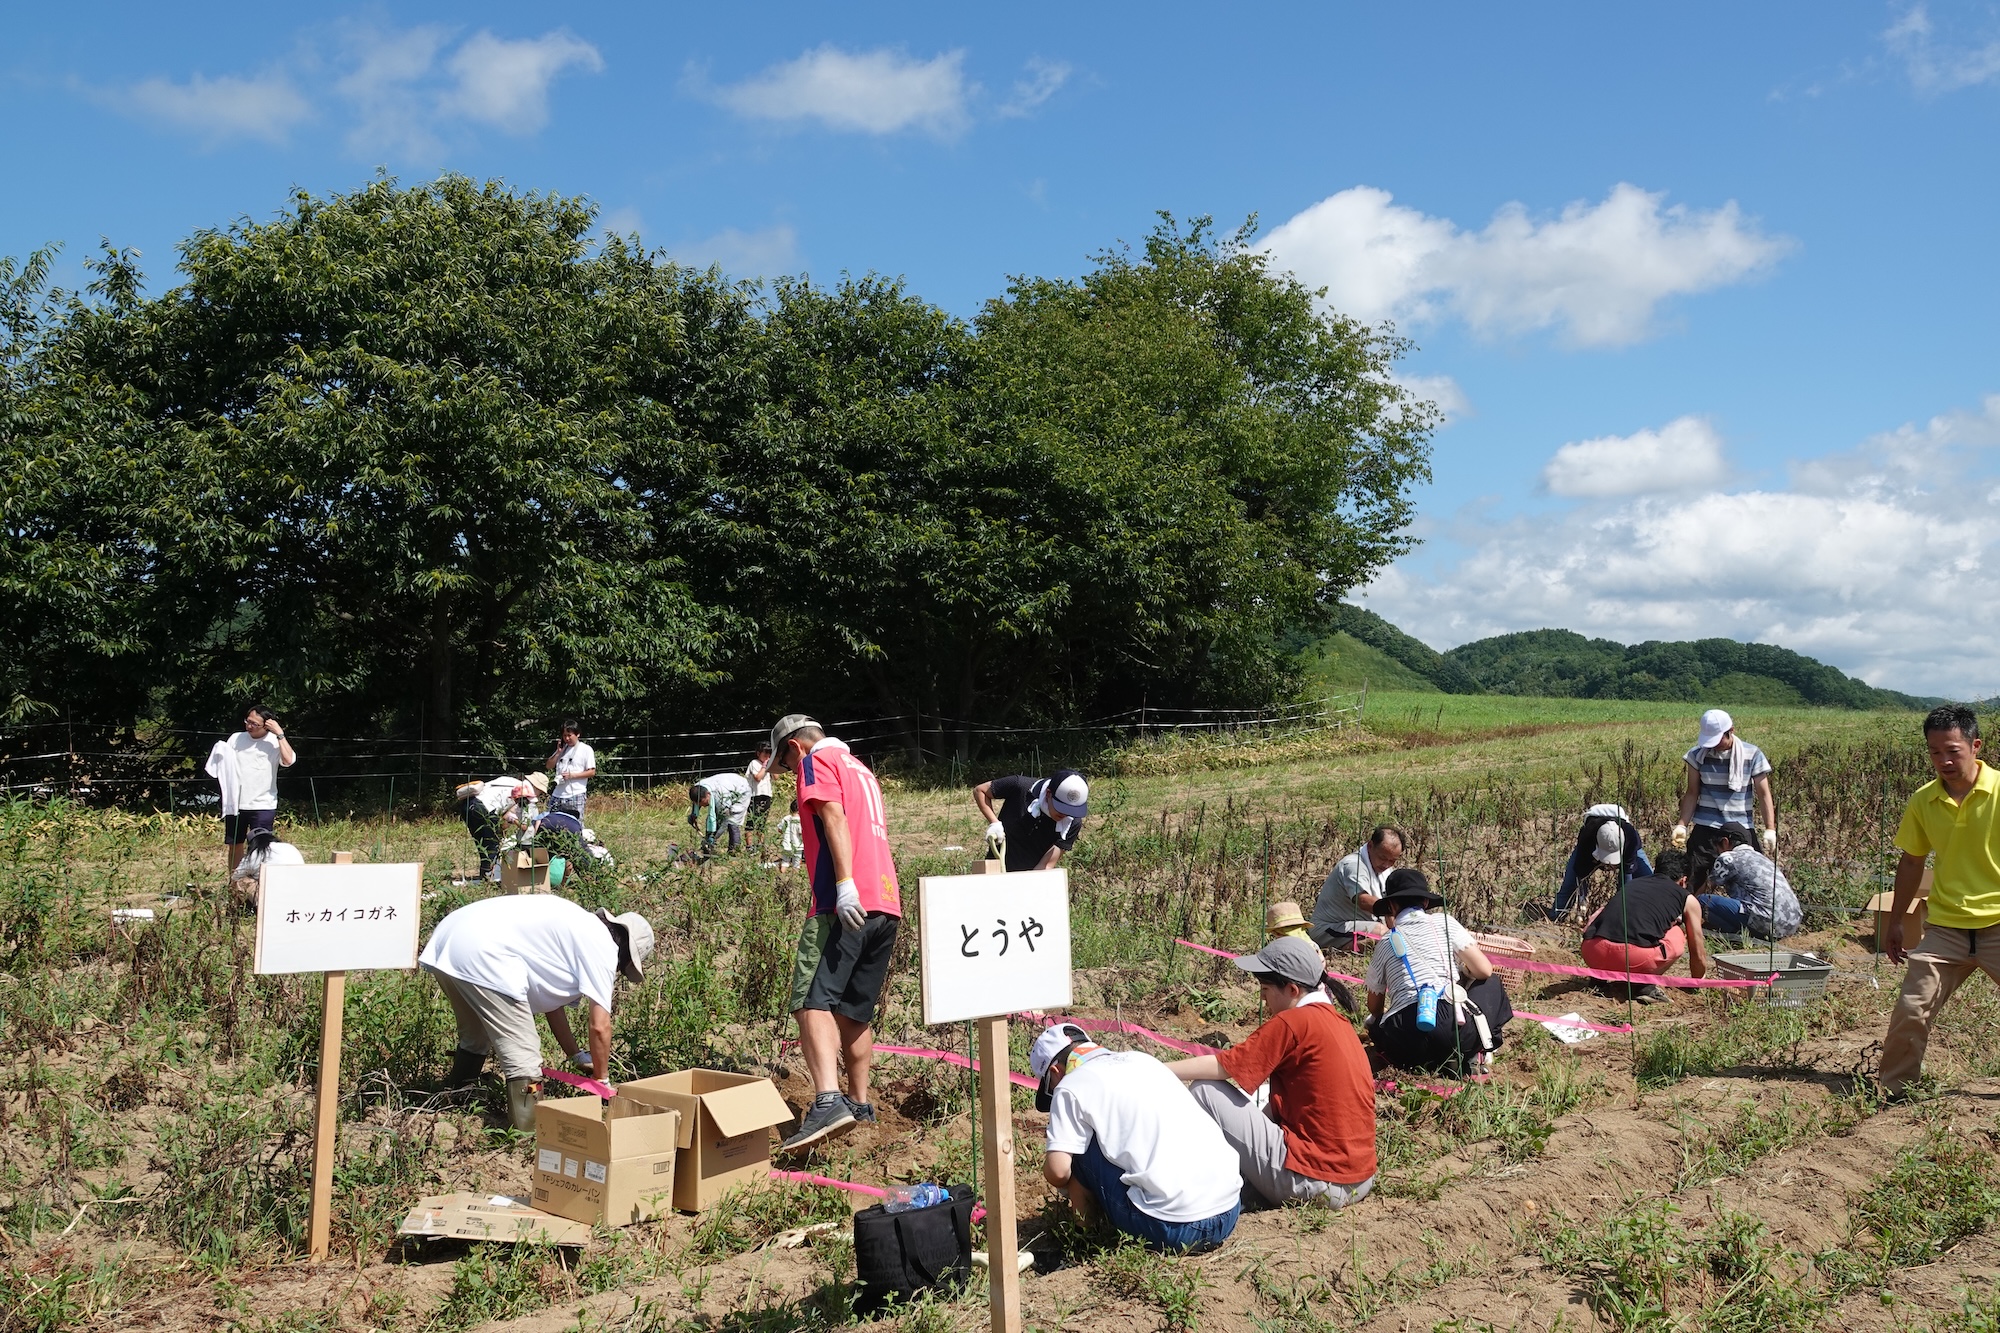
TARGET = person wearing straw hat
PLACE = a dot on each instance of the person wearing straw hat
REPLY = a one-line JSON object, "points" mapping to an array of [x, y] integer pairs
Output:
{"points": [[1434, 1001], [1725, 776], [844, 949], [1126, 1144], [1037, 820], [1285, 919], [1608, 840], [1316, 1138], [486, 806], [1646, 927], [503, 960]]}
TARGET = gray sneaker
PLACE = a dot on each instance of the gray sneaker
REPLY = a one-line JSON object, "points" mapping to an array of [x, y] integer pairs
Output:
{"points": [[820, 1122], [864, 1112]]}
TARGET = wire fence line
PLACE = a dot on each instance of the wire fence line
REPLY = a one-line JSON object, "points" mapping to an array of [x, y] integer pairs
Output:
{"points": [[162, 768]]}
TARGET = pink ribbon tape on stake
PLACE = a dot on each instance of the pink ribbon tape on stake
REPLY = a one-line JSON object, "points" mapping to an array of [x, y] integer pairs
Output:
{"points": [[1562, 969], [808, 1178], [953, 1058], [579, 1081]]}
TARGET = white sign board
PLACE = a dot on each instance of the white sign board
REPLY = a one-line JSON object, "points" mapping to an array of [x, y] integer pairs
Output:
{"points": [[994, 944], [338, 918]]}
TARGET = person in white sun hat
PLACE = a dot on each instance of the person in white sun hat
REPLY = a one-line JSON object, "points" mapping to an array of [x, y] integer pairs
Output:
{"points": [[1038, 819], [1725, 773]]}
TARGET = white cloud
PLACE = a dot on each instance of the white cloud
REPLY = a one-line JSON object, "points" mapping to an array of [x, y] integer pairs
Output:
{"points": [[870, 92], [265, 107], [1441, 390], [506, 83], [742, 254], [1880, 560], [1044, 79], [384, 83], [1597, 273], [1935, 67], [1684, 454]]}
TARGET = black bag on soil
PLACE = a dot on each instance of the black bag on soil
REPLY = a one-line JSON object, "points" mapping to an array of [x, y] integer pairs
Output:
{"points": [[897, 1255]]}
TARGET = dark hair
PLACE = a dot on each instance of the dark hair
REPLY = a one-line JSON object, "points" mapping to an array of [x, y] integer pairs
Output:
{"points": [[1952, 717], [259, 838], [795, 805], [695, 793], [1382, 831], [763, 747], [1671, 864], [1276, 979], [569, 724], [1341, 995], [261, 711]]}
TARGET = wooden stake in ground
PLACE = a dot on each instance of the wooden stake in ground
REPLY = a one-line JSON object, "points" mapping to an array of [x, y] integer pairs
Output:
{"points": [[996, 1117], [332, 1010]]}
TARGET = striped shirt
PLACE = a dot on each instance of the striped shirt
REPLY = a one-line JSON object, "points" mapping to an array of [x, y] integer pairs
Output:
{"points": [[1718, 805]]}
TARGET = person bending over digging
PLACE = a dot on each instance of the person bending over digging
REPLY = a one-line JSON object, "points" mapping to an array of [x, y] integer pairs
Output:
{"points": [[844, 949], [1316, 1140], [503, 960], [1037, 820], [1434, 1002], [1125, 1144], [1607, 841], [1648, 924], [1954, 819], [1746, 890]]}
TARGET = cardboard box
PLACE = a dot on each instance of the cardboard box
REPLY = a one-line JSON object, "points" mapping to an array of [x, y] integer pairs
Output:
{"points": [[495, 1217], [605, 1165], [993, 867], [725, 1129], [524, 870], [1913, 920]]}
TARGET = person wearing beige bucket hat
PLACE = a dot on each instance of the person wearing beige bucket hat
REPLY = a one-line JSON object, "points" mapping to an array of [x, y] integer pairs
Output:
{"points": [[1285, 918], [487, 806], [503, 960]]}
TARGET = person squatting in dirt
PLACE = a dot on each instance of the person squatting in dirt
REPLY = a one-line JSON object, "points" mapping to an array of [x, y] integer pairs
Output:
{"points": [[1645, 928], [503, 960], [1955, 820], [1747, 891], [846, 943], [1127, 1144], [1316, 1138], [1037, 820], [1351, 888], [1434, 1002], [1608, 841]]}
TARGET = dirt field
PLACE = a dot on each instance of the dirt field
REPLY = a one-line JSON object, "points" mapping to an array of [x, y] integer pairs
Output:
{"points": [[1727, 1165]]}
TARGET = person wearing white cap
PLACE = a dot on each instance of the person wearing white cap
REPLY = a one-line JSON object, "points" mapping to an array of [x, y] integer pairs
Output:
{"points": [[1038, 819], [1724, 771], [1608, 840], [1127, 1143], [503, 960]]}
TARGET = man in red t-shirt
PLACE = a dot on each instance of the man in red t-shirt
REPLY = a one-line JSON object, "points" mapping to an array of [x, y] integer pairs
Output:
{"points": [[843, 954], [1317, 1141]]}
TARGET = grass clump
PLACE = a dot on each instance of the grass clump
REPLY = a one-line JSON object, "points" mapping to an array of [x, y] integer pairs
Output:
{"points": [[1168, 1285]]}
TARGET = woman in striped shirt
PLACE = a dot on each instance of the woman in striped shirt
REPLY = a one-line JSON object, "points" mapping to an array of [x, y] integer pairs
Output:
{"points": [[1724, 773]]}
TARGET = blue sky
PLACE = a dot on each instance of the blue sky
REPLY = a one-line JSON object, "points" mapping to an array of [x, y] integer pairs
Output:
{"points": [[1710, 292]]}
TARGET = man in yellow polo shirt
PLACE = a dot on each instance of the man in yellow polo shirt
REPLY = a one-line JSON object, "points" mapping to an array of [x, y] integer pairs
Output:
{"points": [[1957, 818]]}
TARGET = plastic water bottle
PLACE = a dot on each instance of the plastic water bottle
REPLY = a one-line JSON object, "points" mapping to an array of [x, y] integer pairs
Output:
{"points": [[903, 1198], [1427, 1007]]}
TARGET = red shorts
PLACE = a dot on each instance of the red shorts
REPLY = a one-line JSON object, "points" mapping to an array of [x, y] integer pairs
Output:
{"points": [[1611, 956]]}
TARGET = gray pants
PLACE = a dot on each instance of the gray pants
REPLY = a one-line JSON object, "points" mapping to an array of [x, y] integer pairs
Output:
{"points": [[1260, 1150], [490, 1023]]}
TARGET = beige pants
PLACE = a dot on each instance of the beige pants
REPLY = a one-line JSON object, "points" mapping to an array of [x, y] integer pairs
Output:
{"points": [[490, 1023], [1938, 966]]}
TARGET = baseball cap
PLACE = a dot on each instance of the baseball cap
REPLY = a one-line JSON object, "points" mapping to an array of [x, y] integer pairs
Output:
{"points": [[1290, 957], [539, 781], [788, 724], [1610, 844], [1068, 794], [635, 941], [1715, 724], [1045, 1056], [1739, 833]]}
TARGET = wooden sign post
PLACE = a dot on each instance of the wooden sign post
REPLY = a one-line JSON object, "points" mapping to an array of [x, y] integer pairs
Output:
{"points": [[335, 919], [991, 946]]}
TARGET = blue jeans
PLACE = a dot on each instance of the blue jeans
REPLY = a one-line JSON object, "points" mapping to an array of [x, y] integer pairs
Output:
{"points": [[1572, 881], [1107, 1182], [1723, 913]]}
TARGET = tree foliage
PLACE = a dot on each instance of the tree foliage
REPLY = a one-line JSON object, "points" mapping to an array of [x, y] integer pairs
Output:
{"points": [[436, 457]]}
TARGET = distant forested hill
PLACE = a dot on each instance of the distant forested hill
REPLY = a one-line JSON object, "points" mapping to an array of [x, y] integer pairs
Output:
{"points": [[1564, 664]]}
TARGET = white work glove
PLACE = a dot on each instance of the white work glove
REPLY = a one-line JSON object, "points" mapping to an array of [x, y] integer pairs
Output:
{"points": [[582, 1059], [996, 831], [1770, 841], [1680, 837], [847, 905]]}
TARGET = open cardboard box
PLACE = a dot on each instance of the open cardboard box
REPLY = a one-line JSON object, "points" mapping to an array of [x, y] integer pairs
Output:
{"points": [[1913, 920], [725, 1128], [524, 870], [605, 1165]]}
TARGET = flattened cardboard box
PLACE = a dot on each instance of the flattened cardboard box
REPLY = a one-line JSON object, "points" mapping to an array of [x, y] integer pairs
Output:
{"points": [[610, 1165], [725, 1129], [495, 1217]]}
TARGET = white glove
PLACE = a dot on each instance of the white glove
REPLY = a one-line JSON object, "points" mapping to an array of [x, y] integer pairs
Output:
{"points": [[1680, 837], [996, 830], [1770, 841], [582, 1059], [847, 905]]}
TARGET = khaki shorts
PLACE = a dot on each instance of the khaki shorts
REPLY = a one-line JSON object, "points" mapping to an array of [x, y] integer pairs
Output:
{"points": [[490, 1023]]}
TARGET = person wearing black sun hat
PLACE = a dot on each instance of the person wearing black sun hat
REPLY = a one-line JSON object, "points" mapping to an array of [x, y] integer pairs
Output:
{"points": [[1434, 1001]]}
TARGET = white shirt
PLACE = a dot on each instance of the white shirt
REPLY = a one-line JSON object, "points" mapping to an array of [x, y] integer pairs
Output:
{"points": [[496, 794], [1176, 1165], [759, 786], [578, 758], [535, 947], [1435, 939], [729, 793], [257, 765]]}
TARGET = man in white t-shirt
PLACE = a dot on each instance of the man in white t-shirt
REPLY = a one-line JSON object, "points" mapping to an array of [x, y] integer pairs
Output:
{"points": [[503, 960], [246, 768], [574, 764], [1126, 1141], [758, 772], [720, 801]]}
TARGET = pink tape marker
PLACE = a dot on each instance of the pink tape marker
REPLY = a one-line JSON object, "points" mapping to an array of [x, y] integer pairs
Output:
{"points": [[579, 1081]]}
